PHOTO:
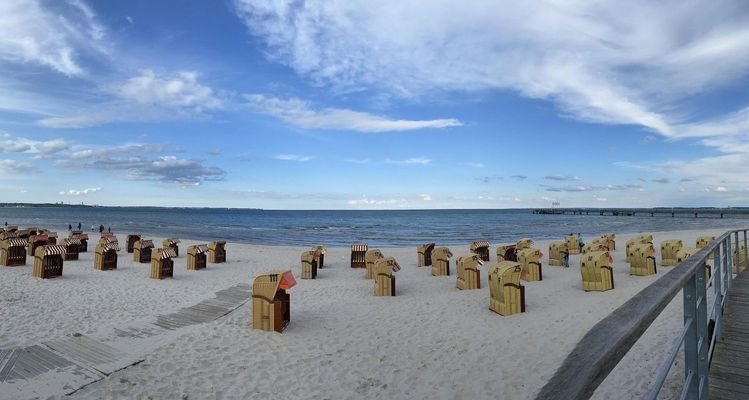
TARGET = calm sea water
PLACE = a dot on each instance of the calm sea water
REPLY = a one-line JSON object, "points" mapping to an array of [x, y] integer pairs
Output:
{"points": [[342, 228]]}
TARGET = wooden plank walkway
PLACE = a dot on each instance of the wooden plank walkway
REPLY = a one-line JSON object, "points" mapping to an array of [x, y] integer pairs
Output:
{"points": [[729, 369], [63, 366]]}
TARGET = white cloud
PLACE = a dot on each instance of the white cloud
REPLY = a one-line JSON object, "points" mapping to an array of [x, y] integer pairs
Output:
{"points": [[291, 157], [15, 166], [180, 90], [410, 161], [475, 165], [358, 160], [425, 197], [597, 198], [557, 177], [83, 192], [365, 201], [38, 148], [721, 189], [304, 115]]}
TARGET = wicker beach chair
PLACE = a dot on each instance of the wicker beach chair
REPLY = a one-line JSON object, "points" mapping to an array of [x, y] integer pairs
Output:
{"points": [[595, 245], [523, 244], [12, 252], [573, 243], [173, 243], [111, 239], [467, 271], [481, 247], [105, 256], [506, 294], [82, 240], [669, 250], [384, 278], [686, 252], [36, 241], [370, 258], [424, 255], [162, 265], [530, 260], [309, 264], [130, 241], [51, 236], [610, 239], [507, 252], [322, 250], [637, 240], [196, 257], [48, 261], [357, 255], [596, 271], [441, 261], [271, 305], [72, 247], [142, 250], [642, 260], [703, 241], [557, 251], [217, 252]]}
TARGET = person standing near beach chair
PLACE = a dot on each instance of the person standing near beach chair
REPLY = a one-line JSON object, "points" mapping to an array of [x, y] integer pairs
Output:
{"points": [[580, 242], [79, 225]]}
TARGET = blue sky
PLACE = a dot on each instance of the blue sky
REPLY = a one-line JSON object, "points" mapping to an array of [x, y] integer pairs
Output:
{"points": [[368, 105]]}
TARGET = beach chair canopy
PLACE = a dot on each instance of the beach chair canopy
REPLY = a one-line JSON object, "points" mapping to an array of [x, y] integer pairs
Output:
{"points": [[200, 248], [359, 247], [163, 253], [441, 253], [311, 255], [50, 250], [70, 241], [478, 244], [524, 243], [321, 249], [268, 283], [15, 242], [171, 241], [144, 243], [387, 265]]}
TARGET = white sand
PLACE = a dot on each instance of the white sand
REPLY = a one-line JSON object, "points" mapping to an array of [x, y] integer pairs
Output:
{"points": [[431, 341]]}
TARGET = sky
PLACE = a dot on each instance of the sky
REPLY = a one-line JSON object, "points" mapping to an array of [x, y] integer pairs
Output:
{"points": [[351, 104]]}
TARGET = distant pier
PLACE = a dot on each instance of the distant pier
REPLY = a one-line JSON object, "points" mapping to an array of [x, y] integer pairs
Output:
{"points": [[648, 212]]}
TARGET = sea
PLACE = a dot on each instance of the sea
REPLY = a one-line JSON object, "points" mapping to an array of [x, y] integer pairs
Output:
{"points": [[391, 228]]}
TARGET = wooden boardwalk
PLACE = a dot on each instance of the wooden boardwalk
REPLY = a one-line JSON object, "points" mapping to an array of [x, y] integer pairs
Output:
{"points": [[729, 369], [63, 366]]}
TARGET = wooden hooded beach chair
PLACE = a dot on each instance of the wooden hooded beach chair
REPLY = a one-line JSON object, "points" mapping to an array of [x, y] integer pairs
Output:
{"points": [[424, 255], [703, 241], [271, 305], [610, 239], [636, 241], [595, 245], [642, 260], [370, 258], [162, 265], [217, 252], [507, 252], [357, 255], [48, 261], [468, 274], [686, 252], [596, 271], [669, 250], [506, 294], [196, 257], [573, 243], [72, 247], [142, 250], [51, 236], [173, 243], [530, 260], [441, 261], [309, 264], [111, 239], [82, 240], [105, 256], [557, 251], [130, 241], [12, 252], [322, 250], [481, 247], [384, 278], [36, 241], [523, 244]]}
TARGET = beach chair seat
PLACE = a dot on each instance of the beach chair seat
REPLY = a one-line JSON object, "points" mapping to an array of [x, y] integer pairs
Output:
{"points": [[162, 265], [481, 247], [669, 250], [105, 256], [357, 255], [635, 241], [530, 260], [217, 252], [610, 239], [441, 261], [506, 294], [642, 260], [507, 252], [142, 250], [12, 251], [322, 250], [197, 257], [573, 243], [271, 305], [384, 278], [309, 264], [467, 272], [557, 251], [596, 271], [370, 258], [424, 255], [48, 261]]}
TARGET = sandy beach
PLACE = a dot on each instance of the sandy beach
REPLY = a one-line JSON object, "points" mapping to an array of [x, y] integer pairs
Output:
{"points": [[430, 341]]}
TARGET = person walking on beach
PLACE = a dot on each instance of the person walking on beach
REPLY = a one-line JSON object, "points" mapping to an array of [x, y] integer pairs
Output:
{"points": [[566, 259], [79, 225], [101, 228], [70, 227], [580, 242], [109, 229]]}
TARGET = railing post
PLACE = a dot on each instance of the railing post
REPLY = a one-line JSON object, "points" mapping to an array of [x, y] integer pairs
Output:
{"points": [[726, 247], [703, 342], [718, 287], [691, 356], [746, 253]]}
